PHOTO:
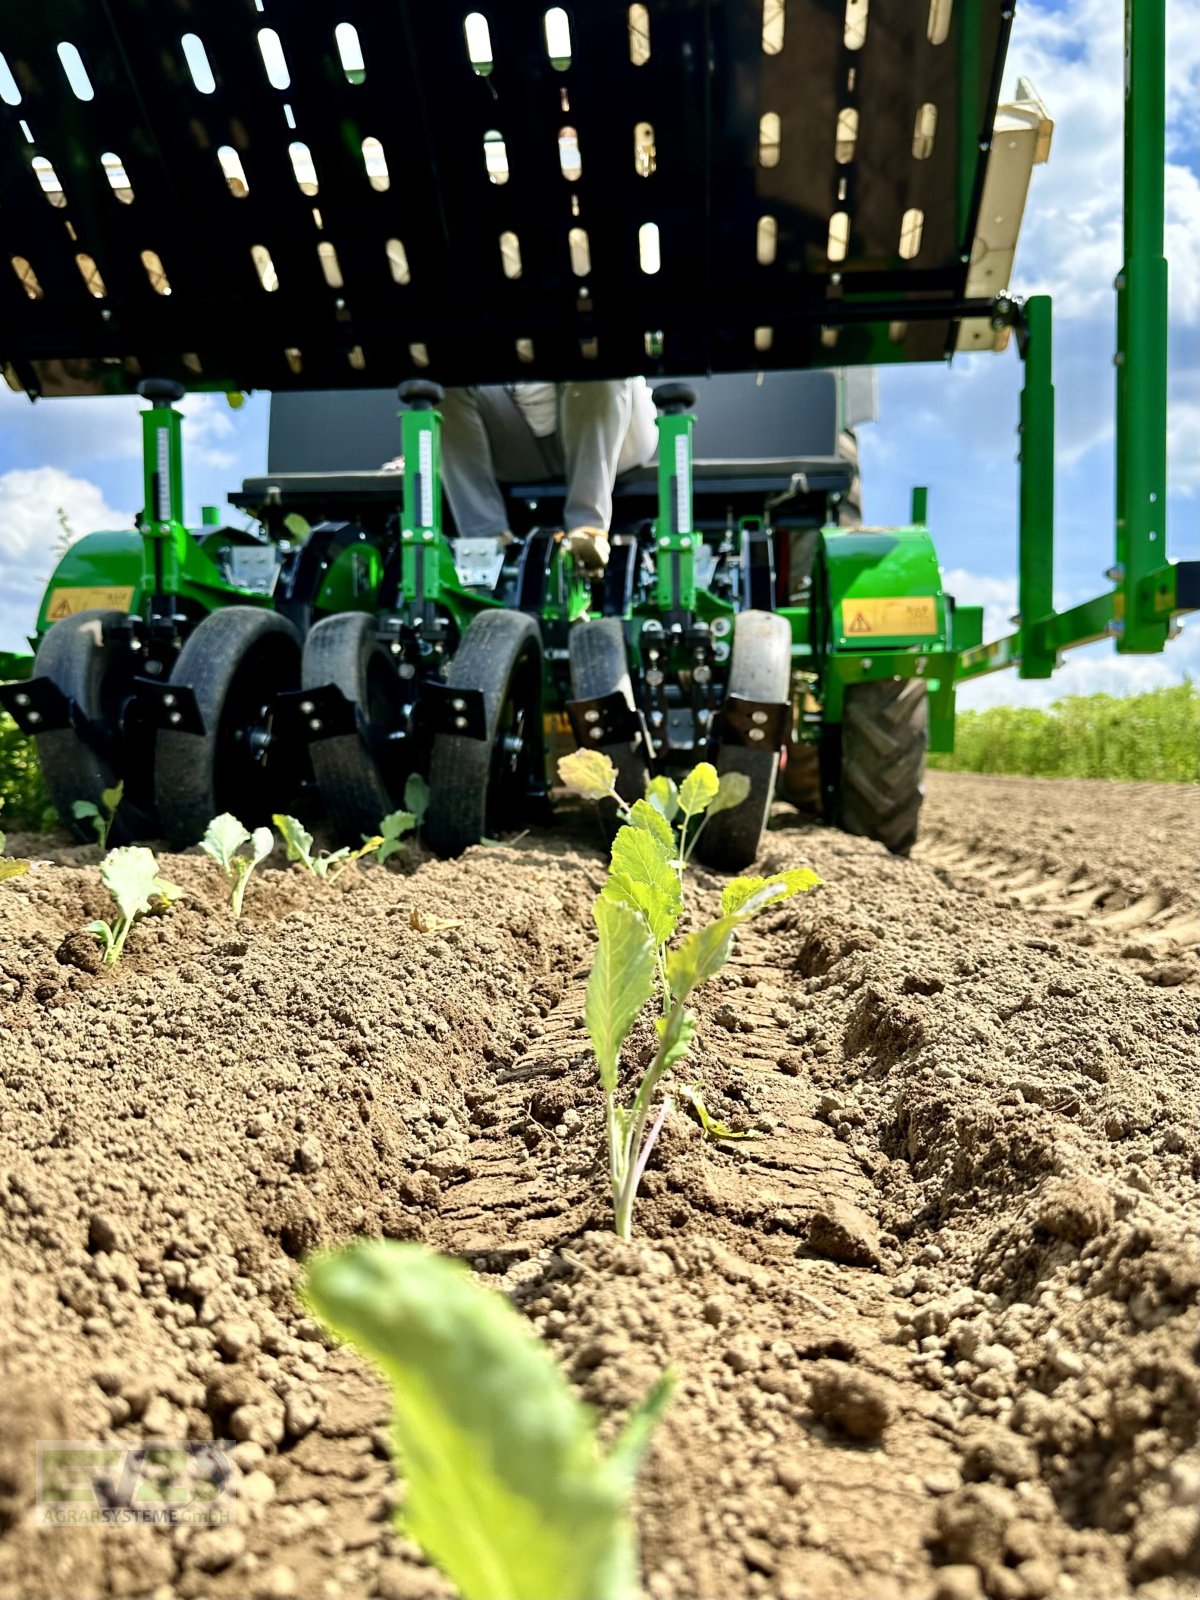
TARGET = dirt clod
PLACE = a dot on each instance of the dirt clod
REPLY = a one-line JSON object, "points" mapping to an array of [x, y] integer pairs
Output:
{"points": [[843, 1232], [854, 1401]]}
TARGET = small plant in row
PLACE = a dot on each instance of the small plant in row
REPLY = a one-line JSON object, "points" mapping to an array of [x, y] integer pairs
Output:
{"points": [[130, 874], [637, 913]]}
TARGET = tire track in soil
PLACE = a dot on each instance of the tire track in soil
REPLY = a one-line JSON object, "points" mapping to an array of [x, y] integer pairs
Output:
{"points": [[1143, 910], [1002, 1401]]}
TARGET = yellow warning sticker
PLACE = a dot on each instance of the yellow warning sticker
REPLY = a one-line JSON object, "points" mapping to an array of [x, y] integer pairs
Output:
{"points": [[892, 617], [70, 602]]}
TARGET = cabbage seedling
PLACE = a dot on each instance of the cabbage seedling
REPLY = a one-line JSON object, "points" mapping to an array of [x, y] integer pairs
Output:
{"points": [[636, 915], [416, 799], [9, 867], [392, 829], [130, 874], [100, 816], [328, 864], [223, 841], [507, 1488]]}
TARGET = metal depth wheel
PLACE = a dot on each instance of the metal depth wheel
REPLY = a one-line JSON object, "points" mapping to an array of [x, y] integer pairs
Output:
{"points": [[235, 663], [760, 668], [881, 783], [477, 787], [599, 667], [360, 783], [96, 676]]}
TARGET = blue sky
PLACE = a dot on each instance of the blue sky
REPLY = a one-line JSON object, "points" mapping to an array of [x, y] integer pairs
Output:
{"points": [[951, 429]]}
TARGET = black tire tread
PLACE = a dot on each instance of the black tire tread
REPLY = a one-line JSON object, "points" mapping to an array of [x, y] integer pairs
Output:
{"points": [[353, 791], [600, 666], [760, 668], [73, 656], [189, 790], [885, 734], [460, 768]]}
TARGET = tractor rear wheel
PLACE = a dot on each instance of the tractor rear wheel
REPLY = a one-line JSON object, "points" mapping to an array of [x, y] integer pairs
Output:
{"points": [[481, 787], [760, 669], [885, 732], [599, 667], [96, 677], [235, 663], [359, 785]]}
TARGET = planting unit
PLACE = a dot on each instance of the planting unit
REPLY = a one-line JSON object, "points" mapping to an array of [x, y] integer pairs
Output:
{"points": [[408, 193]]}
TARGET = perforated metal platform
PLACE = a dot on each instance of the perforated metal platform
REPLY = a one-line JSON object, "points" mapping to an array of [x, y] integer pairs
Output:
{"points": [[247, 194]]}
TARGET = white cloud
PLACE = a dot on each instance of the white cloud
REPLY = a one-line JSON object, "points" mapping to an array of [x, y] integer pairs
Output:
{"points": [[1071, 243], [88, 428], [31, 499]]}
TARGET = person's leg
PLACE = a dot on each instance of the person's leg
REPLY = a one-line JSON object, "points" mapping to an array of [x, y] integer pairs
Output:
{"points": [[605, 428], [485, 442]]}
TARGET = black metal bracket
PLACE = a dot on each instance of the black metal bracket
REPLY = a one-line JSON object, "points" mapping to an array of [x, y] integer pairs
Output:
{"points": [[756, 724], [461, 712], [170, 706], [311, 714], [604, 720], [37, 705]]}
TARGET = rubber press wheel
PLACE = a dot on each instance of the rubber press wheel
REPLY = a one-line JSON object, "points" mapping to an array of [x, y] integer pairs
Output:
{"points": [[760, 668], [94, 675], [479, 787], [885, 733], [358, 787], [235, 663], [599, 667]]}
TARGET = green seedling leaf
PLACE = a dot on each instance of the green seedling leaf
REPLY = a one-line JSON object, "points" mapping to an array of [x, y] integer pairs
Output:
{"points": [[630, 1449], [130, 874], [641, 876], [683, 1031], [223, 838], [713, 1127], [297, 840], [10, 868], [699, 789], [644, 815], [299, 527], [110, 799], [81, 810], [733, 789], [392, 829], [621, 982], [746, 896], [700, 955], [663, 795], [589, 773], [507, 1488], [346, 857], [416, 797]]}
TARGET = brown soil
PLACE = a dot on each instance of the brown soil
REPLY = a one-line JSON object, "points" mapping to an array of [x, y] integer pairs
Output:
{"points": [[935, 1330]]}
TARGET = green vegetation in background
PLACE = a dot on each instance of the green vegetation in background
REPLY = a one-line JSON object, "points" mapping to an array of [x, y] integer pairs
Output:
{"points": [[24, 802], [1152, 736]]}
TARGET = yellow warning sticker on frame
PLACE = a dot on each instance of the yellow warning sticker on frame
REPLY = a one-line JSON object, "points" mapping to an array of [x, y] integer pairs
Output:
{"points": [[890, 617], [70, 602]]}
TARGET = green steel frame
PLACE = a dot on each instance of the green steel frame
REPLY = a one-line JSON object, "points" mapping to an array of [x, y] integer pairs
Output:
{"points": [[1148, 589]]}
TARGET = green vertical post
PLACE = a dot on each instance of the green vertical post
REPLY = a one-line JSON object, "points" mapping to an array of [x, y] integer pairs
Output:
{"points": [[675, 531], [1035, 567], [162, 475], [421, 518], [919, 514], [1141, 356]]}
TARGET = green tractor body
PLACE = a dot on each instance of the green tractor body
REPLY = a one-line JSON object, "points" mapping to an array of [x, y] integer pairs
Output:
{"points": [[811, 201]]}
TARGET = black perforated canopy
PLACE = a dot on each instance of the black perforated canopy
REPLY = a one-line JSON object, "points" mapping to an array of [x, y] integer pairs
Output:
{"points": [[243, 193]]}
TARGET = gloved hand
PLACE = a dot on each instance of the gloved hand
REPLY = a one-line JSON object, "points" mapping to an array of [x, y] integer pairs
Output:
{"points": [[589, 546]]}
